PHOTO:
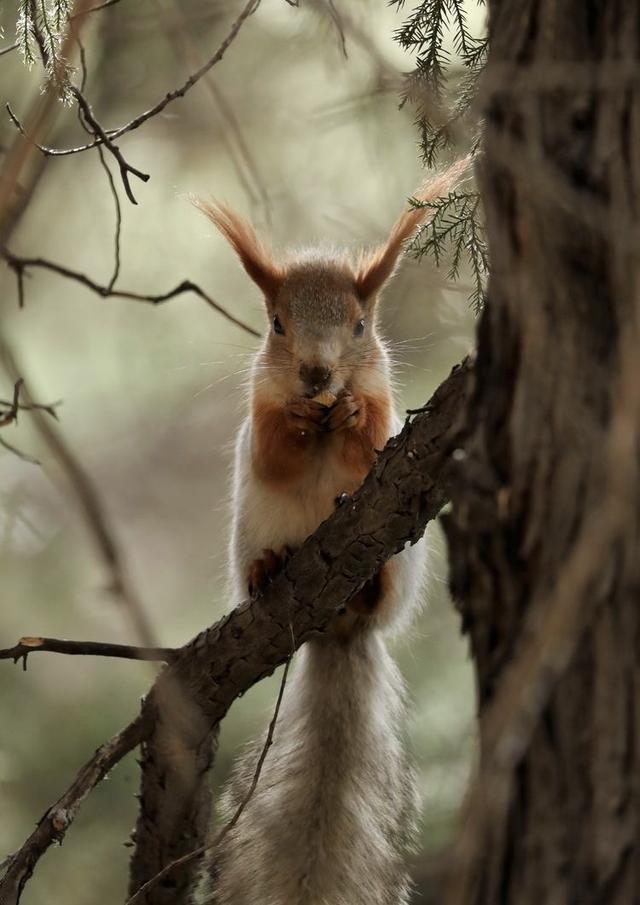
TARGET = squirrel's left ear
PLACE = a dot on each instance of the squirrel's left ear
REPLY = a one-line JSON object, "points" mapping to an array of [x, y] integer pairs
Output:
{"points": [[377, 266], [255, 257]]}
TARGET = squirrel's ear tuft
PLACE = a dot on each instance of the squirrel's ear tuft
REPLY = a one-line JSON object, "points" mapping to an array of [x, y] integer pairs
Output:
{"points": [[377, 266], [255, 257]]}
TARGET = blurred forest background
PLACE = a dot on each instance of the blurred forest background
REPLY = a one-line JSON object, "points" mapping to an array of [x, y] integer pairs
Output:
{"points": [[311, 143]]}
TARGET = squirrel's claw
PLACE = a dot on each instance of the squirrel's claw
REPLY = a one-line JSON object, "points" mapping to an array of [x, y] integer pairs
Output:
{"points": [[344, 414]]}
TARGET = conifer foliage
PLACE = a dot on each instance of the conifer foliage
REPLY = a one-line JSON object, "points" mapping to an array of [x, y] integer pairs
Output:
{"points": [[40, 31], [442, 87]]}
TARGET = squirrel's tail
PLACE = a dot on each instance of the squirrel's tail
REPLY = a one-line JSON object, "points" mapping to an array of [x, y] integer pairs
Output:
{"points": [[332, 814]]}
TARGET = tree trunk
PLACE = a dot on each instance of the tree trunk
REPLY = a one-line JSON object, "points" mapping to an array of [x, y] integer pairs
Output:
{"points": [[543, 532]]}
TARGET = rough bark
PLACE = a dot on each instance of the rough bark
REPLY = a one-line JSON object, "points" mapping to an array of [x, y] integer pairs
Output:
{"points": [[554, 387], [405, 489], [175, 809]]}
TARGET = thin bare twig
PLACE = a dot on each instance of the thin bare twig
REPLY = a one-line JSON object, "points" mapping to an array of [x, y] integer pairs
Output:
{"points": [[9, 410], [335, 15], [92, 122], [107, 171], [18, 452], [178, 33], [29, 645], [19, 265], [91, 505], [118, 227], [9, 415], [226, 829], [54, 823], [9, 49], [109, 135], [96, 9]]}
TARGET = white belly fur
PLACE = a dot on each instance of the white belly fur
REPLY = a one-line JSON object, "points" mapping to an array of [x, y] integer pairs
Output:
{"points": [[267, 518]]}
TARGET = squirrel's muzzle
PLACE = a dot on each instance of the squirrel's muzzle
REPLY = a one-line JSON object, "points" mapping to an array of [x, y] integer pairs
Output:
{"points": [[315, 377]]}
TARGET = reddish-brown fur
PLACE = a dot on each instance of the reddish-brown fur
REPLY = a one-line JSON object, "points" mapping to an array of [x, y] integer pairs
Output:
{"points": [[280, 453], [282, 448], [360, 444], [377, 266], [256, 258]]}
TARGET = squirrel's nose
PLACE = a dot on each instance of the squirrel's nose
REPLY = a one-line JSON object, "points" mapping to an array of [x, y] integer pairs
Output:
{"points": [[315, 376]]}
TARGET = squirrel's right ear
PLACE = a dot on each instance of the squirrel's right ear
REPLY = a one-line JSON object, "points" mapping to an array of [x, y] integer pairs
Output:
{"points": [[255, 258]]}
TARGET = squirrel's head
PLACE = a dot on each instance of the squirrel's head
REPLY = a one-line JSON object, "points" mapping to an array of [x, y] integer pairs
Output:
{"points": [[321, 306]]}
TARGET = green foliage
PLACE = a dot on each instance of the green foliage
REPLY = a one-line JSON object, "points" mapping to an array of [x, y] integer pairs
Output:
{"points": [[454, 233], [40, 30], [443, 88]]}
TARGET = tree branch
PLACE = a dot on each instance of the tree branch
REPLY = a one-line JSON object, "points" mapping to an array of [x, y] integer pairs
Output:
{"points": [[9, 415], [405, 489], [20, 265], [196, 854], [9, 410], [30, 645], [98, 131], [136, 122], [54, 823]]}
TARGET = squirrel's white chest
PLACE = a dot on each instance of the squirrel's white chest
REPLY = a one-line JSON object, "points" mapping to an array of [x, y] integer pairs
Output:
{"points": [[276, 518], [268, 517]]}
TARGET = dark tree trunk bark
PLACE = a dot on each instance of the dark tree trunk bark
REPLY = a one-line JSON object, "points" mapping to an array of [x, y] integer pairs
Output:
{"points": [[175, 805], [544, 528]]}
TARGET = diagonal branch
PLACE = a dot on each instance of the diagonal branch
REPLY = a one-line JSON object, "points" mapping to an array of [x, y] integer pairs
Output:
{"points": [[54, 823], [405, 489]]}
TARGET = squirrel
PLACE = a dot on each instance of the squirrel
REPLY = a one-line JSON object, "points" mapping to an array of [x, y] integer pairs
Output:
{"points": [[332, 815]]}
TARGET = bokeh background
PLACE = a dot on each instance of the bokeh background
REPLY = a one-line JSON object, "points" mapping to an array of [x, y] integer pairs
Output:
{"points": [[312, 145]]}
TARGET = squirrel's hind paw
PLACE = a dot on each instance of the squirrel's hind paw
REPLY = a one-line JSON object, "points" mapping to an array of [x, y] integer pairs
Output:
{"points": [[263, 570]]}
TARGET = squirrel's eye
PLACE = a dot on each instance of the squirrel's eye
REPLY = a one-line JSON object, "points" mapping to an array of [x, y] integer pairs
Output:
{"points": [[358, 330], [277, 326]]}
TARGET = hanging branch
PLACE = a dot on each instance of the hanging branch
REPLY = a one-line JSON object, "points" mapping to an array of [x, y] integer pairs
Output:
{"points": [[457, 225], [105, 167], [452, 234]]}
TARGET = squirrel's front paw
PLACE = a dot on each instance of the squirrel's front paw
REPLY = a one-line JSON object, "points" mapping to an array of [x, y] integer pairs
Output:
{"points": [[345, 414], [262, 571], [306, 416]]}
